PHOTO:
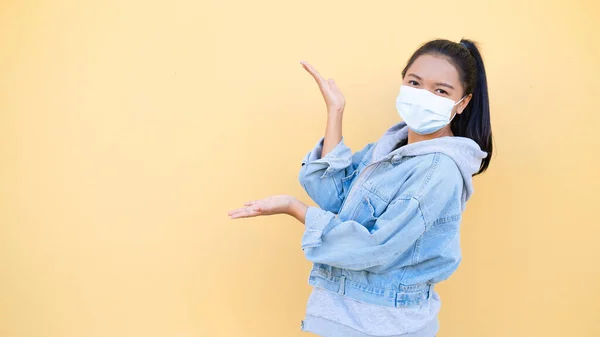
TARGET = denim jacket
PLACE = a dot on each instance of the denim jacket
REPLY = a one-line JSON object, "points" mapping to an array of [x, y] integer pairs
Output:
{"points": [[387, 225]]}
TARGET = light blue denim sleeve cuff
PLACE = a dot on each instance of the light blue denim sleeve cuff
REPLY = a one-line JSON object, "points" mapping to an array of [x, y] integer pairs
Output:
{"points": [[337, 159], [315, 222]]}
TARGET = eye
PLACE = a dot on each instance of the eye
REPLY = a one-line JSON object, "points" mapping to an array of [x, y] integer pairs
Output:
{"points": [[413, 83], [442, 91]]}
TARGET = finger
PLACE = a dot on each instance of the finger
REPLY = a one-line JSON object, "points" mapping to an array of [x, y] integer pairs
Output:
{"points": [[240, 215], [232, 212], [315, 74], [244, 212], [240, 210]]}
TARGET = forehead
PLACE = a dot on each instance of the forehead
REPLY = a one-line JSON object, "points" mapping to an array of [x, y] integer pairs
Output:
{"points": [[434, 68]]}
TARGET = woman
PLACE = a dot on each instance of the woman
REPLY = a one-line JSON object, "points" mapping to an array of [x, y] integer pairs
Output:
{"points": [[387, 226]]}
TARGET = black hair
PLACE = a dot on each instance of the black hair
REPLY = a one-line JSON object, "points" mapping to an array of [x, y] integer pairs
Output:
{"points": [[474, 122]]}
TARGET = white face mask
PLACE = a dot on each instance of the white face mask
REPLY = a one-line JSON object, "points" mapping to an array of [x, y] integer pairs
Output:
{"points": [[423, 111]]}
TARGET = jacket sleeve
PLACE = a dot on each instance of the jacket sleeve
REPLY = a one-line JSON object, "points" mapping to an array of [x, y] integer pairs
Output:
{"points": [[326, 179], [349, 245]]}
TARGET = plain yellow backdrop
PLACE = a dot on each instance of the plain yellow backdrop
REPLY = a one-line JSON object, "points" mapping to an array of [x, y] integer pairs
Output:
{"points": [[129, 128]]}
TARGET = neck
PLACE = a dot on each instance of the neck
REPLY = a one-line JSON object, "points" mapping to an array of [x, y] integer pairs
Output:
{"points": [[414, 137]]}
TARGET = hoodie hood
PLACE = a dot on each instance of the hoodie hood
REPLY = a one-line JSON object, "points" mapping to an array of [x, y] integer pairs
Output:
{"points": [[464, 151]]}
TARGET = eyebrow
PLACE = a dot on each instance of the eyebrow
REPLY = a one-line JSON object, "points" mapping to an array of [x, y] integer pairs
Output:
{"points": [[441, 84]]}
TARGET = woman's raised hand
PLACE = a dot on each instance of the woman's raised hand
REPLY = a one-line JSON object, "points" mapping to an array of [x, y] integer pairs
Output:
{"points": [[334, 99]]}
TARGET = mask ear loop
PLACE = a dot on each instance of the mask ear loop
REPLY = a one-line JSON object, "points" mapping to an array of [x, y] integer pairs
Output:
{"points": [[456, 113]]}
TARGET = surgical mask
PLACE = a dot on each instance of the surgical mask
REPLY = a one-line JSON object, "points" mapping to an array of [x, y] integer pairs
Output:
{"points": [[423, 111]]}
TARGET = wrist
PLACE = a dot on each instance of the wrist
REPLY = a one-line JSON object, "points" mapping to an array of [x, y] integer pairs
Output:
{"points": [[297, 209], [335, 112]]}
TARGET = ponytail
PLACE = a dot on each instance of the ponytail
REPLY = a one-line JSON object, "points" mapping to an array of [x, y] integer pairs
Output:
{"points": [[475, 122]]}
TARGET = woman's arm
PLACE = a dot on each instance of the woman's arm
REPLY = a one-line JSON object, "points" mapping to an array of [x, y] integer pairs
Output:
{"points": [[335, 102], [333, 131], [346, 244], [432, 197], [328, 168]]}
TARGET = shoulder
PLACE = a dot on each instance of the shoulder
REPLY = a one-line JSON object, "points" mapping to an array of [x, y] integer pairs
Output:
{"points": [[435, 173], [438, 189]]}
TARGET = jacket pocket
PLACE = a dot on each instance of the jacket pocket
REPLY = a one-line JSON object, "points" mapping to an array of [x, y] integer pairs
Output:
{"points": [[366, 212], [346, 181]]}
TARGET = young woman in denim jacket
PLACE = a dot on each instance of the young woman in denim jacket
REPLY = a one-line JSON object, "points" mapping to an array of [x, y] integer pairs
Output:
{"points": [[387, 226]]}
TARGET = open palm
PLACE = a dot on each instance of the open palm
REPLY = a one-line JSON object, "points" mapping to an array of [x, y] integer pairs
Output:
{"points": [[276, 204], [334, 99]]}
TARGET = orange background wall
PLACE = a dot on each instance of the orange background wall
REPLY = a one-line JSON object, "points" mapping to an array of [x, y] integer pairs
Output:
{"points": [[128, 129]]}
